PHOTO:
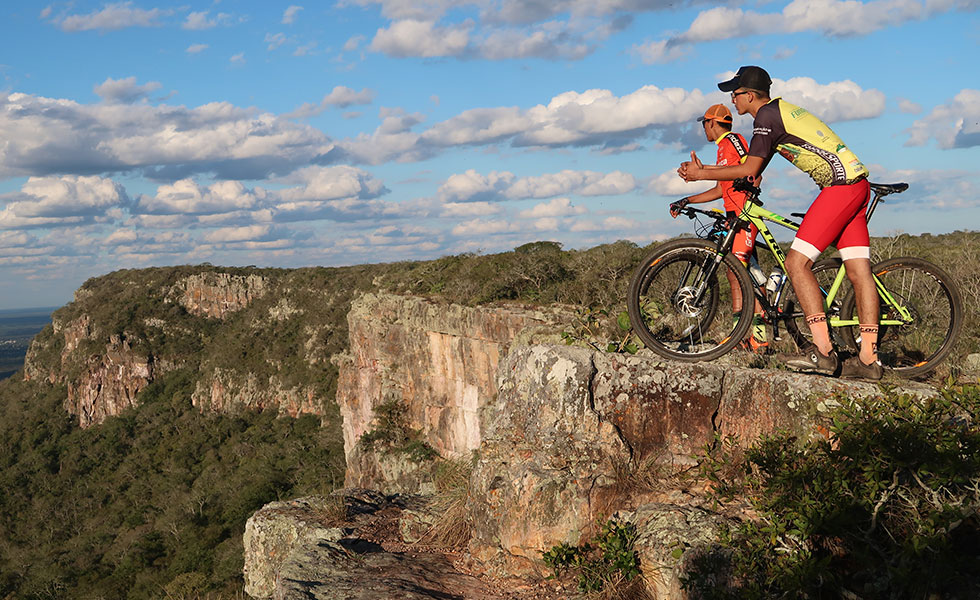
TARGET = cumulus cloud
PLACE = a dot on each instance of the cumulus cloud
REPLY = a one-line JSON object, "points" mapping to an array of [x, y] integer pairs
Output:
{"points": [[196, 48], [472, 186], [275, 40], [289, 16], [955, 124], [125, 90], [113, 17], [669, 184], [483, 227], [470, 209], [238, 234], [834, 18], [832, 102], [558, 207], [475, 187], [907, 106], [45, 136], [58, 201], [197, 21], [188, 197], [599, 119], [341, 97], [422, 39], [331, 183]]}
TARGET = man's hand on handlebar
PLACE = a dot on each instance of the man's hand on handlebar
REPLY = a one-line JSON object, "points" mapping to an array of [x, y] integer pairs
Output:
{"points": [[677, 207]]}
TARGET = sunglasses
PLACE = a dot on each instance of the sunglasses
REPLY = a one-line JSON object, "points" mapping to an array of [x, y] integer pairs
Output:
{"points": [[734, 94]]}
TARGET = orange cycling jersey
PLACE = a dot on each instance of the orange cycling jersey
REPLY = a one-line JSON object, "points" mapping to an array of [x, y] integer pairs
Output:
{"points": [[732, 150]]}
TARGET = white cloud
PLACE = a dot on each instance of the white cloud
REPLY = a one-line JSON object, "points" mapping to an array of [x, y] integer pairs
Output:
{"points": [[341, 97], [125, 90], [44, 135], [331, 183], [188, 197], [470, 209], [908, 107], [483, 227], [289, 16], [584, 183], [832, 102], [670, 184], [955, 124], [238, 234], [65, 200], [833, 18], [196, 48], [237, 59], [113, 17], [421, 39], [558, 207], [550, 41], [275, 40], [199, 20], [353, 43], [472, 186]]}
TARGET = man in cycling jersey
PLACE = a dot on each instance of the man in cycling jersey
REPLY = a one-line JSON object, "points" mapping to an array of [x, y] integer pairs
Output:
{"points": [[836, 216], [732, 150]]}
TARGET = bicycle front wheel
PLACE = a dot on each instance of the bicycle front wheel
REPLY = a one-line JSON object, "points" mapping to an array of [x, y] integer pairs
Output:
{"points": [[912, 344], [680, 301]]}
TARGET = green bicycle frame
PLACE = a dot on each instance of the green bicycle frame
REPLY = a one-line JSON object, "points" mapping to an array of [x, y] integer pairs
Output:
{"points": [[757, 215]]}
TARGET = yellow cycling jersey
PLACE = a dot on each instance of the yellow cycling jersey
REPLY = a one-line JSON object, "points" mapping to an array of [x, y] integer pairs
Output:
{"points": [[805, 141]]}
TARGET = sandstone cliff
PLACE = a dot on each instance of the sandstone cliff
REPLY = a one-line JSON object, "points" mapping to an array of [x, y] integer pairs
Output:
{"points": [[253, 340], [558, 434]]}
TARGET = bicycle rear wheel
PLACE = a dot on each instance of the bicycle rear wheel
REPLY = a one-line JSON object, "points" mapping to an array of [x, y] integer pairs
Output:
{"points": [[795, 321], [921, 342], [680, 302]]}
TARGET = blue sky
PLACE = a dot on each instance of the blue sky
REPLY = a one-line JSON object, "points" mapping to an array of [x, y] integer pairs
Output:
{"points": [[144, 133]]}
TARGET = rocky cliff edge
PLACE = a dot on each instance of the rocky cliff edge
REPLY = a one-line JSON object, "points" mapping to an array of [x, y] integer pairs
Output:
{"points": [[556, 437]]}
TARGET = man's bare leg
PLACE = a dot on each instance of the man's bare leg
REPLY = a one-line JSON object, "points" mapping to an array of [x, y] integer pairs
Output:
{"points": [[808, 294], [866, 294]]}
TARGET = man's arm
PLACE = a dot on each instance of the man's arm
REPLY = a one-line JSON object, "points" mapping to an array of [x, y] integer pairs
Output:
{"points": [[693, 170]]}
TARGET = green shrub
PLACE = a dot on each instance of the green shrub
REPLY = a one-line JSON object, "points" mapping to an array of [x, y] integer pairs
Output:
{"points": [[885, 508], [608, 560]]}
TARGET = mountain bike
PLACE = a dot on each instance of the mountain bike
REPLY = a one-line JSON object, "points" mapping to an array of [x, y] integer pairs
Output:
{"points": [[680, 299]]}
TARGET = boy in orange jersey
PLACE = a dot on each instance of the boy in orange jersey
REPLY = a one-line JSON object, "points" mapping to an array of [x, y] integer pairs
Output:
{"points": [[732, 150]]}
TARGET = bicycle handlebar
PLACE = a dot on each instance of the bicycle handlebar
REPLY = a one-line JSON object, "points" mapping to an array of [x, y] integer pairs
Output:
{"points": [[721, 219]]}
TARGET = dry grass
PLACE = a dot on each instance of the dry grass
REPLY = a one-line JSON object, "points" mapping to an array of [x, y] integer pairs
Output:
{"points": [[453, 527], [330, 510]]}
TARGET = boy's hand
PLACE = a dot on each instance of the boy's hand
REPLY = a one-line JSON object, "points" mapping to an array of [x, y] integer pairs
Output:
{"points": [[676, 207]]}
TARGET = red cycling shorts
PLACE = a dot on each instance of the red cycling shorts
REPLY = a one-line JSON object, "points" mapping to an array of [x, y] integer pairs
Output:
{"points": [[836, 217]]}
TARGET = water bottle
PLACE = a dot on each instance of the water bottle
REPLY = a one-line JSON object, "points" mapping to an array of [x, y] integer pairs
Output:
{"points": [[756, 272], [776, 279]]}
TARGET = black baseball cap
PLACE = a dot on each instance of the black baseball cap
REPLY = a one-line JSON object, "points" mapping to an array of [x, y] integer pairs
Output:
{"points": [[754, 78]]}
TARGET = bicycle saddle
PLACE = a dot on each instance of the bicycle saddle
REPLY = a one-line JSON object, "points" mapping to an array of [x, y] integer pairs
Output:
{"points": [[883, 189]]}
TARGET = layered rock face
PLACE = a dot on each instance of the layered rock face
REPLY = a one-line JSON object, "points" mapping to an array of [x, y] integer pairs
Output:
{"points": [[569, 425], [231, 391], [558, 431], [216, 295], [438, 361], [105, 371]]}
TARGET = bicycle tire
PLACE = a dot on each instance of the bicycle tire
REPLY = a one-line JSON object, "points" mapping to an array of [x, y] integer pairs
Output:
{"points": [[792, 314], [660, 307], [932, 297]]}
